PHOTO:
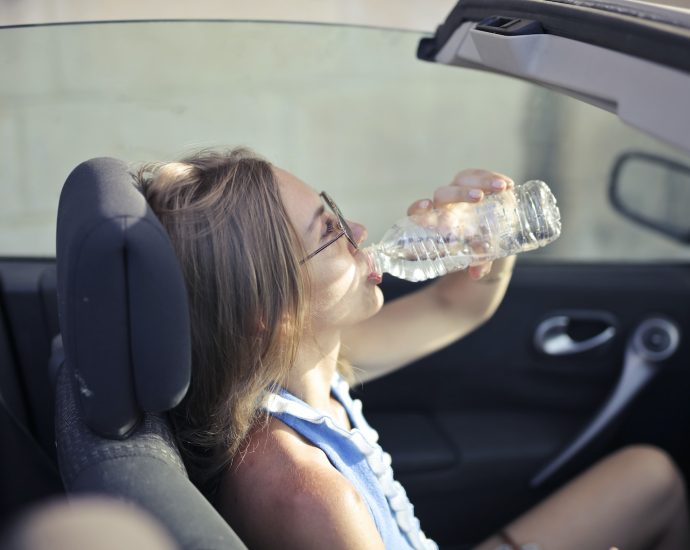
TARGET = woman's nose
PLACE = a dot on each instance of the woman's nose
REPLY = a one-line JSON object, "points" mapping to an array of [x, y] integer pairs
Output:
{"points": [[359, 232]]}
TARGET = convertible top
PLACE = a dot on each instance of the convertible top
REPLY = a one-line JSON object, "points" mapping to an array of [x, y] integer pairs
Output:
{"points": [[630, 58]]}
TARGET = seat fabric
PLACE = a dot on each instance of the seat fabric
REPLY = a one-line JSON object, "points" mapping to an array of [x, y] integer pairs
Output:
{"points": [[145, 468], [127, 361]]}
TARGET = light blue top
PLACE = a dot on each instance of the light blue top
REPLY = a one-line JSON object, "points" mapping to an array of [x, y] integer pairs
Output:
{"points": [[357, 455]]}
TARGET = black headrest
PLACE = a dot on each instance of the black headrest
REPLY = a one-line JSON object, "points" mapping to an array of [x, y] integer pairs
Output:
{"points": [[121, 298]]}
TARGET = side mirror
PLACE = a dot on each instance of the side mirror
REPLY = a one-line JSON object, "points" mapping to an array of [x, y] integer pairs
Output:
{"points": [[653, 191]]}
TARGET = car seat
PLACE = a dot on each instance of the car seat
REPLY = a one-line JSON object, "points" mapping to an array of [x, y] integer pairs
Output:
{"points": [[125, 326]]}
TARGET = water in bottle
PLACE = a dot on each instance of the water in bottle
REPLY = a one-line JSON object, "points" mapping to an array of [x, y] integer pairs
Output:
{"points": [[456, 236]]}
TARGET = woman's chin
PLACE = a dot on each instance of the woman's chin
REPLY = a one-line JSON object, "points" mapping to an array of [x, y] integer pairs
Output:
{"points": [[378, 296]]}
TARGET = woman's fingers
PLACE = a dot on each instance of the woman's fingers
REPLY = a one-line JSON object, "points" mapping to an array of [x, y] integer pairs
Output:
{"points": [[449, 194], [467, 186], [488, 181], [471, 186], [421, 205]]}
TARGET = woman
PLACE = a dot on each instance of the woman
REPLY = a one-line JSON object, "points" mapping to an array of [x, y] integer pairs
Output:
{"points": [[281, 302]]}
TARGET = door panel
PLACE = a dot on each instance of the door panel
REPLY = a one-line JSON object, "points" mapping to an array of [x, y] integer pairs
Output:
{"points": [[30, 306], [469, 426], [28, 319], [502, 410]]}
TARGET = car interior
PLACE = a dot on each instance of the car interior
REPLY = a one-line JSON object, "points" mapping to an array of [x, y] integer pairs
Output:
{"points": [[587, 353]]}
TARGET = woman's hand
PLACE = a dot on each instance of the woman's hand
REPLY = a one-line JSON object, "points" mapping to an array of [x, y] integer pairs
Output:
{"points": [[469, 186], [425, 321]]}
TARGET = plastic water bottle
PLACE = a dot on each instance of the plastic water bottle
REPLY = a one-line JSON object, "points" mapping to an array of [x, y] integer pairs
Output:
{"points": [[454, 237]]}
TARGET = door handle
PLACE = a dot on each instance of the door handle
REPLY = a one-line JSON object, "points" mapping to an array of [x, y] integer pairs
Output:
{"points": [[654, 340], [552, 335]]}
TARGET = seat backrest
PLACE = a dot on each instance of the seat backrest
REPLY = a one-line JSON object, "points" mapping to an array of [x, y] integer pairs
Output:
{"points": [[125, 325]]}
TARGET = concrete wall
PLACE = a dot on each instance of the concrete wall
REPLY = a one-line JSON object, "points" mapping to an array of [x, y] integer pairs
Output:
{"points": [[348, 110]]}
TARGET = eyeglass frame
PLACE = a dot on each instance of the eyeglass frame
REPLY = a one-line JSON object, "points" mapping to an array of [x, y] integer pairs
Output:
{"points": [[345, 230]]}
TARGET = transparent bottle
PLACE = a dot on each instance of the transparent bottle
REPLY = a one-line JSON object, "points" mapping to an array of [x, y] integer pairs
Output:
{"points": [[454, 237]]}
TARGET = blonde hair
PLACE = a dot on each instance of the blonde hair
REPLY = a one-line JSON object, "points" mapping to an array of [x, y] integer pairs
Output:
{"points": [[239, 254]]}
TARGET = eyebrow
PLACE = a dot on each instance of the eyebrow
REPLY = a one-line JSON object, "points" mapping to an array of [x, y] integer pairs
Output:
{"points": [[319, 212]]}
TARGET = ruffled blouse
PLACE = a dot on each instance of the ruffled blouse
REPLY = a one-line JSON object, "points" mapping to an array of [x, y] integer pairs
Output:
{"points": [[357, 455]]}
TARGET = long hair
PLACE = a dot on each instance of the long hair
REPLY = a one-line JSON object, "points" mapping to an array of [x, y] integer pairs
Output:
{"points": [[239, 254]]}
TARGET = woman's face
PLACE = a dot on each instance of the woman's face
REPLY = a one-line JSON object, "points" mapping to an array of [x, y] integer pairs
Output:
{"points": [[342, 291]]}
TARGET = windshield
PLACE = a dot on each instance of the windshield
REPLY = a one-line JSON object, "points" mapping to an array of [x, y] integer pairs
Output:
{"points": [[347, 109]]}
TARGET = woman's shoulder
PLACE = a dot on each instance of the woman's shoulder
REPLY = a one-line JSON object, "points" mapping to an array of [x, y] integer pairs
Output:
{"points": [[277, 463], [281, 473], [274, 449]]}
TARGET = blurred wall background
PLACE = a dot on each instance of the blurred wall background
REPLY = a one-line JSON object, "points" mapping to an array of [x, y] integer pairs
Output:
{"points": [[348, 109]]}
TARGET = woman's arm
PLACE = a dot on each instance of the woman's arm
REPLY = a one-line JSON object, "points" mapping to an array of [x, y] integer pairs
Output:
{"points": [[322, 510], [427, 320]]}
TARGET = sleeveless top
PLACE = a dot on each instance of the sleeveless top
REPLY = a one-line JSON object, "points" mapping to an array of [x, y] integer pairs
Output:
{"points": [[357, 456]]}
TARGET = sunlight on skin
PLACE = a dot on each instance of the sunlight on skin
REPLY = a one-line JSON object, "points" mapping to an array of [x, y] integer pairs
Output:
{"points": [[341, 272]]}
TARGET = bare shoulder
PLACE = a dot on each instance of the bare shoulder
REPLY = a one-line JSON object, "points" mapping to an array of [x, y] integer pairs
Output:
{"points": [[282, 477]]}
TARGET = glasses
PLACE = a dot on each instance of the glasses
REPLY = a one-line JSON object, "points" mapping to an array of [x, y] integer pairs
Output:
{"points": [[343, 229]]}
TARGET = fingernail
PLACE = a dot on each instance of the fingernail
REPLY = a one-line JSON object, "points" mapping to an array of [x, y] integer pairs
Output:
{"points": [[424, 204], [475, 193], [498, 184]]}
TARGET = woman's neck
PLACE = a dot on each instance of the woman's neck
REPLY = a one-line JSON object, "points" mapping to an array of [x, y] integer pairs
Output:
{"points": [[315, 365]]}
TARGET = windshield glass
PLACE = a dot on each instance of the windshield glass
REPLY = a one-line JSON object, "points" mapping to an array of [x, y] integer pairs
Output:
{"points": [[349, 110]]}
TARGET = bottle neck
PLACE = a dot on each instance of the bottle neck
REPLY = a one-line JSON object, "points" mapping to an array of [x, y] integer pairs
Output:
{"points": [[375, 259]]}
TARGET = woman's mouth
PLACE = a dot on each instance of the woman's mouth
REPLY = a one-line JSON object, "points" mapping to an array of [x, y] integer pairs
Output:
{"points": [[374, 277]]}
